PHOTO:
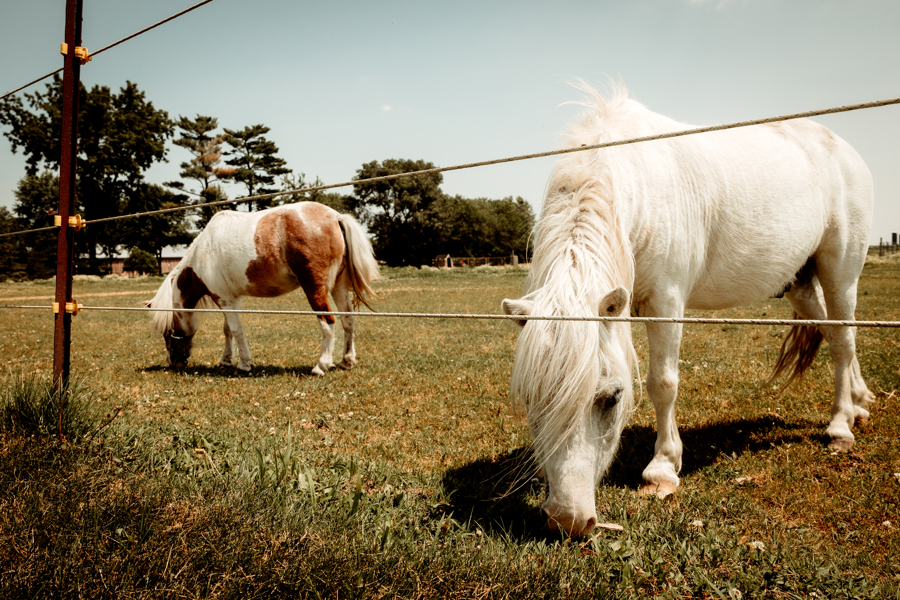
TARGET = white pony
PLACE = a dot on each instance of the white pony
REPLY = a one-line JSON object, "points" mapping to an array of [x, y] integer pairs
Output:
{"points": [[705, 221], [267, 253]]}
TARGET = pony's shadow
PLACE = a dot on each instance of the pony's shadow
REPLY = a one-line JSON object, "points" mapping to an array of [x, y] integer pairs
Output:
{"points": [[495, 493], [258, 371]]}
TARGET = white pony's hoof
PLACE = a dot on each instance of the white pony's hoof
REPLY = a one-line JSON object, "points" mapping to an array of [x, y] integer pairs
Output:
{"points": [[244, 368], [861, 416], [226, 363], [318, 371], [347, 364], [660, 490], [841, 444]]}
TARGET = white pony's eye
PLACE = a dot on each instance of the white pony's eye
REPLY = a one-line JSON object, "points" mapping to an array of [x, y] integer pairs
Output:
{"points": [[606, 401]]}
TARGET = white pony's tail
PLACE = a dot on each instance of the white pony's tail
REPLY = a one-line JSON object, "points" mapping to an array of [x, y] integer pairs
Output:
{"points": [[361, 265]]}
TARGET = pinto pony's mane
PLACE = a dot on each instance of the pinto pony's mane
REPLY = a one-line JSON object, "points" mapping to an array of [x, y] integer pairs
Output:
{"points": [[163, 320], [581, 253]]}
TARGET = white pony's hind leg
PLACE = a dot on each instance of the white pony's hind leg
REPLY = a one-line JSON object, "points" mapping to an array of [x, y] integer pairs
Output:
{"points": [[849, 388], [227, 357], [661, 475], [851, 396], [341, 295], [861, 394], [326, 357]]}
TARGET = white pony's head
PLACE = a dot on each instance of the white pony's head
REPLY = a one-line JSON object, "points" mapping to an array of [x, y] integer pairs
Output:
{"points": [[574, 379], [180, 290]]}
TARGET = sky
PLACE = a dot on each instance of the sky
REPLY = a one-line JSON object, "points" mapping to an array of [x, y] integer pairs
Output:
{"points": [[344, 83]]}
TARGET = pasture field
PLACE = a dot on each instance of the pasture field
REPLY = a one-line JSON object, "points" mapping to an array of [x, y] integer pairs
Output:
{"points": [[409, 476]]}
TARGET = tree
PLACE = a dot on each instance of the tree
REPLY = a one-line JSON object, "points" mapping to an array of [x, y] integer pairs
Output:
{"points": [[205, 168], [11, 254], [141, 261], [255, 163], [412, 220], [394, 210], [292, 181], [37, 199], [119, 137], [480, 227], [510, 223], [153, 233]]}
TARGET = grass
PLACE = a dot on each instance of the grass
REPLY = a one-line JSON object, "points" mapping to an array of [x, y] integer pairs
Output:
{"points": [[409, 477]]}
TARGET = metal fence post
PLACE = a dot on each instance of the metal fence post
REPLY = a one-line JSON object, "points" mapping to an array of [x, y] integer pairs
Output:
{"points": [[62, 332]]}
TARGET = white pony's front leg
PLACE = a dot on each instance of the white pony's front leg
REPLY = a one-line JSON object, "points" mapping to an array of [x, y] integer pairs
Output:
{"points": [[227, 359], [233, 324], [341, 297], [326, 358], [661, 475]]}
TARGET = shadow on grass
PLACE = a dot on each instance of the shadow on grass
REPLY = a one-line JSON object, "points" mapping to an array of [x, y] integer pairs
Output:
{"points": [[218, 371], [501, 494], [704, 445], [495, 493]]}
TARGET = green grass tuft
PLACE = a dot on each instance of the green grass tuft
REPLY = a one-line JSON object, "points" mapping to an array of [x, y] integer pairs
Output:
{"points": [[30, 406]]}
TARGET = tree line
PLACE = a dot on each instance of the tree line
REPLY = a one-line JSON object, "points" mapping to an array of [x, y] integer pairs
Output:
{"points": [[121, 135]]}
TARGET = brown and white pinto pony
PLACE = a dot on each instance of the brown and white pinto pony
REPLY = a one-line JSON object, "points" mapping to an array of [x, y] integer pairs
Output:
{"points": [[267, 254]]}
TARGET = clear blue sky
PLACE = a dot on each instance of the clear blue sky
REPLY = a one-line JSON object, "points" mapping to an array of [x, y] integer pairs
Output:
{"points": [[343, 83]]}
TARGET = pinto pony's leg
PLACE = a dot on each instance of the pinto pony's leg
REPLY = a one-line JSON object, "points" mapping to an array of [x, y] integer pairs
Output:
{"points": [[317, 294], [326, 356], [234, 330], [227, 359], [661, 475], [341, 295]]}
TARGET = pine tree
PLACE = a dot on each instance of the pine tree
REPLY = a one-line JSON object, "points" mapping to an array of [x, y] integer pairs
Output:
{"points": [[255, 162], [205, 168]]}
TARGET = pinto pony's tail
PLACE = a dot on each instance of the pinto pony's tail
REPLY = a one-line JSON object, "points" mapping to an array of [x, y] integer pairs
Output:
{"points": [[797, 354], [361, 265]]}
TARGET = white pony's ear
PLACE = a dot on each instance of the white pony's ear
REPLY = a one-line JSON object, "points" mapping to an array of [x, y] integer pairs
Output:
{"points": [[147, 303], [614, 302], [517, 307]]}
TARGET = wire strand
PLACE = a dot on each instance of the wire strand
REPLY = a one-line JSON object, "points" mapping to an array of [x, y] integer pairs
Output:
{"points": [[316, 313]]}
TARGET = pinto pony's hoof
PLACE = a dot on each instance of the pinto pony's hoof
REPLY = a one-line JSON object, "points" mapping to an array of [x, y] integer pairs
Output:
{"points": [[660, 490], [841, 444]]}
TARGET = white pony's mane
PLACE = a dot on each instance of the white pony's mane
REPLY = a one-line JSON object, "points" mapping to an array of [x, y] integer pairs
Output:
{"points": [[581, 253]]}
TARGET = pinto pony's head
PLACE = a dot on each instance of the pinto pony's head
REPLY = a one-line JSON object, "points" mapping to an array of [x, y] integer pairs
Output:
{"points": [[574, 379], [176, 326]]}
